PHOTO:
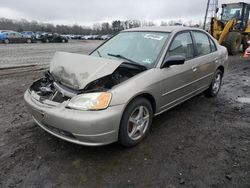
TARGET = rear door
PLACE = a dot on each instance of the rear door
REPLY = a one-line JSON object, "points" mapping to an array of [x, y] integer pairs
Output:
{"points": [[20, 38], [207, 58]]}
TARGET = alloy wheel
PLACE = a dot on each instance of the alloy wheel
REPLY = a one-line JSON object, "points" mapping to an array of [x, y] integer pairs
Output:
{"points": [[217, 83], [138, 122]]}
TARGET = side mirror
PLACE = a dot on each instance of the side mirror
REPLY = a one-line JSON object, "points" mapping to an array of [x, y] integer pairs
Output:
{"points": [[174, 60]]}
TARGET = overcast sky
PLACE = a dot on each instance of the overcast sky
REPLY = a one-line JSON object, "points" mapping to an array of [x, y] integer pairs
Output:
{"points": [[87, 12]]}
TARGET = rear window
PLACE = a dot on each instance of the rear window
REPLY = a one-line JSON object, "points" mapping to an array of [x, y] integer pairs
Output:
{"points": [[212, 44], [202, 43]]}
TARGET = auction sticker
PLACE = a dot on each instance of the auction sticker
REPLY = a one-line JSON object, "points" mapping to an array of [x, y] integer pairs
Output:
{"points": [[147, 61], [153, 36]]}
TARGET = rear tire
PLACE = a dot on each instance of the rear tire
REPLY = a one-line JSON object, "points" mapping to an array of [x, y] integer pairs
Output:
{"points": [[136, 122], [233, 42], [244, 43], [215, 85]]}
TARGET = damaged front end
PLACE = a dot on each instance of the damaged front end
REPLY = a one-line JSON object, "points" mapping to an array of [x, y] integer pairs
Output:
{"points": [[63, 100], [53, 87]]}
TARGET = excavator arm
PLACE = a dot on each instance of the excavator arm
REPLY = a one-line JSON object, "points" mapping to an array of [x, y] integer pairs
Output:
{"points": [[229, 25], [220, 32]]}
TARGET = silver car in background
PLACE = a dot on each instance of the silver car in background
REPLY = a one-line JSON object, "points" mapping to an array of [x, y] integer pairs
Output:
{"points": [[114, 93]]}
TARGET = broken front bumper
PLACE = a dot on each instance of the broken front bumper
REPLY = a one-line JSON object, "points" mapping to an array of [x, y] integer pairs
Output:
{"points": [[91, 128]]}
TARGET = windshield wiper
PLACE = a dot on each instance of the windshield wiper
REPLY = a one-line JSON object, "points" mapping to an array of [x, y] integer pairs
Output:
{"points": [[129, 60]]}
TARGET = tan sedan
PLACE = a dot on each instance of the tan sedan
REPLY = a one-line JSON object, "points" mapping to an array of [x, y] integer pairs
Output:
{"points": [[114, 93]]}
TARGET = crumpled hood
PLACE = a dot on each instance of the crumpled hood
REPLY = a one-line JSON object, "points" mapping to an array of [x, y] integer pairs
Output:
{"points": [[76, 70]]}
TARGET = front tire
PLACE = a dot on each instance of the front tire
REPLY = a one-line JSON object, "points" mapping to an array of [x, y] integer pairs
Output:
{"points": [[215, 85], [6, 41], [136, 122]]}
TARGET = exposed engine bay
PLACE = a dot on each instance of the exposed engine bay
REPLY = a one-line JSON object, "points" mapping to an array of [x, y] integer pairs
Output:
{"points": [[49, 88]]}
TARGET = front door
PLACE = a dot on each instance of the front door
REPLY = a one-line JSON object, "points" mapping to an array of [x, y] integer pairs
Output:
{"points": [[178, 80]]}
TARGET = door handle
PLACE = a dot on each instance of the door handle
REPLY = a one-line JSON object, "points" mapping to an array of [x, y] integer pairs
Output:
{"points": [[194, 69], [216, 60]]}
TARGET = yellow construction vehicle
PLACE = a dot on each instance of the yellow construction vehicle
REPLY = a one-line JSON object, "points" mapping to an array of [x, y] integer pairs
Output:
{"points": [[233, 29]]}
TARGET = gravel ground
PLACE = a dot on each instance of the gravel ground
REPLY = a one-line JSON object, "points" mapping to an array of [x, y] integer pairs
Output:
{"points": [[203, 142]]}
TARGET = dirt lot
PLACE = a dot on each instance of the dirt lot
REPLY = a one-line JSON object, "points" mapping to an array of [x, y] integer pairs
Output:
{"points": [[41, 53], [201, 143]]}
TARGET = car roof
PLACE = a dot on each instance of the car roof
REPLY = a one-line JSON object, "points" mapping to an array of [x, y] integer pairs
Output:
{"points": [[163, 29], [11, 32], [3, 31]]}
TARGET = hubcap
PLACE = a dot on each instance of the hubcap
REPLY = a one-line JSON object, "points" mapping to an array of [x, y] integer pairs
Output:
{"points": [[217, 82], [138, 122]]}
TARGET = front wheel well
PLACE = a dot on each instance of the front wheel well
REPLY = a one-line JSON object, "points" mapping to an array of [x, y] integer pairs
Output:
{"points": [[221, 68], [149, 97]]}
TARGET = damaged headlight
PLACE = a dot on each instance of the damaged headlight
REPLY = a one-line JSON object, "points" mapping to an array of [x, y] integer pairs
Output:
{"points": [[90, 101]]}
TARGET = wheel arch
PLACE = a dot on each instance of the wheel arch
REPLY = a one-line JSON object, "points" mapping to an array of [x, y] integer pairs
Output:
{"points": [[145, 95], [222, 69]]}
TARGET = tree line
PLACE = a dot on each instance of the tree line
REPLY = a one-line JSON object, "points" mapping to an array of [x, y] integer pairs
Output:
{"points": [[98, 28]]}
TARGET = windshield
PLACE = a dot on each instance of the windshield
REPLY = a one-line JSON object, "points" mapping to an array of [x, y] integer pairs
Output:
{"points": [[233, 11], [141, 48]]}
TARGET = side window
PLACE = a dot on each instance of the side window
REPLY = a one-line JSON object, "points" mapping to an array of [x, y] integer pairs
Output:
{"points": [[202, 43], [212, 44], [182, 45]]}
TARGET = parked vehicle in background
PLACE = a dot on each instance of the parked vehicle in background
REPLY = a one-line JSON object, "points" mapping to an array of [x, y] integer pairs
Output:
{"points": [[232, 29], [38, 35], [2, 37], [4, 31], [30, 34], [67, 36], [105, 37], [53, 37], [87, 37], [95, 37], [114, 93], [15, 37], [76, 37]]}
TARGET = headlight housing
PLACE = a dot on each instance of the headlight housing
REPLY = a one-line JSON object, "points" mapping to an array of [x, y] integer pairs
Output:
{"points": [[90, 101]]}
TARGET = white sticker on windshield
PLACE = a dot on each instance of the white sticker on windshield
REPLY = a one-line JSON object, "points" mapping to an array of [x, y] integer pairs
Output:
{"points": [[147, 61], [153, 36]]}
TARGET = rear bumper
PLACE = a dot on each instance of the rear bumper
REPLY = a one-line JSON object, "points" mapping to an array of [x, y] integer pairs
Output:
{"points": [[91, 128]]}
